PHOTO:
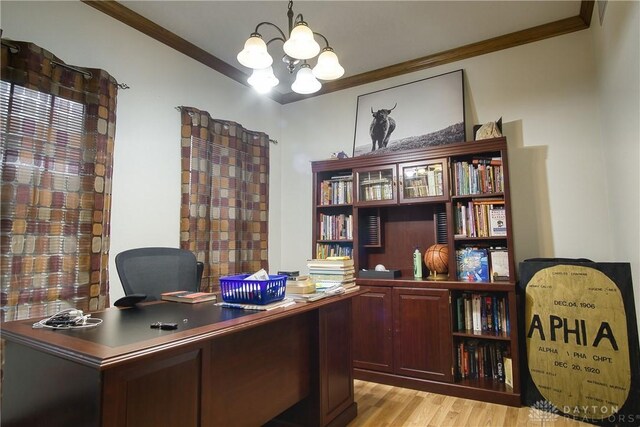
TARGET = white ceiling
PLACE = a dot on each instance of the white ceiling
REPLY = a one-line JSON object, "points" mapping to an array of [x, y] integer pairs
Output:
{"points": [[366, 35]]}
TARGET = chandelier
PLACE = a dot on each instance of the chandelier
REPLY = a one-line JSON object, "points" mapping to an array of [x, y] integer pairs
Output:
{"points": [[298, 48]]}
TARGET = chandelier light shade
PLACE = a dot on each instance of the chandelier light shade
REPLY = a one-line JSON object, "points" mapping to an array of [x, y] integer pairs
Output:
{"points": [[328, 66], [255, 54], [305, 82], [301, 44], [263, 80], [298, 47]]}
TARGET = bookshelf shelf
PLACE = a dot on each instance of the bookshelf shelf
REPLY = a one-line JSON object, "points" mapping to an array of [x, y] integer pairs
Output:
{"points": [[485, 238], [406, 329], [478, 196], [485, 335], [483, 383], [337, 205]]}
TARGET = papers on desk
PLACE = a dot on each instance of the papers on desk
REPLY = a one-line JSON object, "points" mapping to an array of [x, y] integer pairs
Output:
{"points": [[315, 296], [291, 299], [278, 304], [258, 275]]}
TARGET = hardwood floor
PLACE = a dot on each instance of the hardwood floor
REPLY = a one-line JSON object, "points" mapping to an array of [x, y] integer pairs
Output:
{"points": [[382, 405]]}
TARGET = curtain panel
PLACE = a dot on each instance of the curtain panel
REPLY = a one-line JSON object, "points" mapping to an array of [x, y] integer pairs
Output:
{"points": [[58, 127], [225, 196]]}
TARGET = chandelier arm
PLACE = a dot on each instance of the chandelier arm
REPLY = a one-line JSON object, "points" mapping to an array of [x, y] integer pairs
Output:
{"points": [[323, 37], [273, 25], [290, 15], [274, 39]]}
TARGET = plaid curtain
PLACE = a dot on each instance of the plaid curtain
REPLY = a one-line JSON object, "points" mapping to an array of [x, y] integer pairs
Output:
{"points": [[57, 135], [225, 196]]}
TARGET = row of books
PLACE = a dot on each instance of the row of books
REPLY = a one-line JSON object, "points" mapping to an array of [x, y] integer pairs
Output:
{"points": [[337, 190], [478, 359], [478, 176], [336, 227], [377, 192], [325, 250], [480, 218], [424, 183], [477, 264], [376, 186], [480, 312]]}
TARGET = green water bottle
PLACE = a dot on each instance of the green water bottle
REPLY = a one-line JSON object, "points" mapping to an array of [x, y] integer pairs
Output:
{"points": [[417, 263]]}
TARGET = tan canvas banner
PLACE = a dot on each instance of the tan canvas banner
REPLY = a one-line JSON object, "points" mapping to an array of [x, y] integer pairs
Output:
{"points": [[576, 340]]}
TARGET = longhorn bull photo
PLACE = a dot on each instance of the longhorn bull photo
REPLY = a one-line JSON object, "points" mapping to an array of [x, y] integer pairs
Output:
{"points": [[381, 127]]}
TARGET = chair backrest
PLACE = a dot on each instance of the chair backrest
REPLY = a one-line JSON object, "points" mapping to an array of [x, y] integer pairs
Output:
{"points": [[152, 271]]}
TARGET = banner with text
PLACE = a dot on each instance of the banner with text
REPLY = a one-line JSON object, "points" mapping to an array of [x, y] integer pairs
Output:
{"points": [[580, 340]]}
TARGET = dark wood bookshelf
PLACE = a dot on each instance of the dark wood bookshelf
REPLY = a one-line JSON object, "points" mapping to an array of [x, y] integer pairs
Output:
{"points": [[404, 330]]}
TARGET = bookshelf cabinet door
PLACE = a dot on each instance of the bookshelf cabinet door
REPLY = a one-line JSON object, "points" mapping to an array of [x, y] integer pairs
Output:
{"points": [[424, 181], [422, 335], [372, 330], [376, 186]]}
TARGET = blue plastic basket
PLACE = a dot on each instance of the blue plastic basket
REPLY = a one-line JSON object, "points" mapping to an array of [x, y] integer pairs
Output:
{"points": [[236, 289]]}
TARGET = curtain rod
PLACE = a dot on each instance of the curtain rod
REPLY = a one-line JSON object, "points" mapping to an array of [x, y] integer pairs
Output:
{"points": [[87, 74], [273, 141]]}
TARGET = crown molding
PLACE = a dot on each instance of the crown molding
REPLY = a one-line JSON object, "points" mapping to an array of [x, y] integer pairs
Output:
{"points": [[540, 32]]}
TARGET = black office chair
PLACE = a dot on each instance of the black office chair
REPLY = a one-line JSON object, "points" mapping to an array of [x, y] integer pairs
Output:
{"points": [[152, 271]]}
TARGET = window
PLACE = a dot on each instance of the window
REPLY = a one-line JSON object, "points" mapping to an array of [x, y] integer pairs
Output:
{"points": [[225, 196], [56, 186]]}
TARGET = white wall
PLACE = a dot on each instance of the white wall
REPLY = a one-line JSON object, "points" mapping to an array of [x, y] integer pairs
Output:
{"points": [[617, 49], [146, 176], [547, 96]]}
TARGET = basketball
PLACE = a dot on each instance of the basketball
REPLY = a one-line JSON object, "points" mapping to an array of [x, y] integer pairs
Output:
{"points": [[437, 258]]}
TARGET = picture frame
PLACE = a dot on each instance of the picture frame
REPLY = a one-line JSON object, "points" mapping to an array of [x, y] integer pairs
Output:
{"points": [[424, 113]]}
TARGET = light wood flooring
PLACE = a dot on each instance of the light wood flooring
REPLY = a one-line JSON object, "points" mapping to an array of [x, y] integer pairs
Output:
{"points": [[382, 405]]}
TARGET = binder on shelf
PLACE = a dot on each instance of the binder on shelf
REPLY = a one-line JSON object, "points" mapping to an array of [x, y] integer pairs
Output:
{"points": [[499, 260]]}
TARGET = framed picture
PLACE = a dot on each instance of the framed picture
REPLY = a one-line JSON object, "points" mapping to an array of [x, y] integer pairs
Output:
{"points": [[424, 113]]}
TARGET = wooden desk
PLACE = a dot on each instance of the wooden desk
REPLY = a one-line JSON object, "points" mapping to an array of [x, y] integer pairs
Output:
{"points": [[222, 367]]}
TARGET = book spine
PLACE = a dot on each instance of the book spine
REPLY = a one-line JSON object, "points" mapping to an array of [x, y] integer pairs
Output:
{"points": [[460, 313]]}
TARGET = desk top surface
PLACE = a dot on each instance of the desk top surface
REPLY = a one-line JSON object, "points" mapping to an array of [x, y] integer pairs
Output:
{"points": [[133, 325], [126, 333]]}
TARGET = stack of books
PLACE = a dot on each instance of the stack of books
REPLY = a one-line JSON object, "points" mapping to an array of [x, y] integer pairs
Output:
{"points": [[332, 272], [299, 288], [300, 285]]}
